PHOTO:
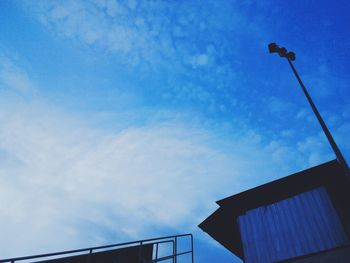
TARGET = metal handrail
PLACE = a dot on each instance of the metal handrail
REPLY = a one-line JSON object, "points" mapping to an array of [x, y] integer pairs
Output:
{"points": [[91, 250]]}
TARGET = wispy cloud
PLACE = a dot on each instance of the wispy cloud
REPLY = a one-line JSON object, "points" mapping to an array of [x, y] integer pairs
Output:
{"points": [[14, 77], [61, 177], [183, 43], [64, 179], [134, 31]]}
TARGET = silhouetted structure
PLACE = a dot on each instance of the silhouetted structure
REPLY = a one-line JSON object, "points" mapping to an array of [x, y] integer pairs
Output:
{"points": [[142, 251], [133, 254], [304, 217], [296, 216]]}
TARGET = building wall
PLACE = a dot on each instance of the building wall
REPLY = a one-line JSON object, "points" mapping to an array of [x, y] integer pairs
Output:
{"points": [[300, 225], [339, 255]]}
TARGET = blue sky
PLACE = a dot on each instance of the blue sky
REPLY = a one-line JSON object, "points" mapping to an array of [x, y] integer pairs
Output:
{"points": [[123, 120]]}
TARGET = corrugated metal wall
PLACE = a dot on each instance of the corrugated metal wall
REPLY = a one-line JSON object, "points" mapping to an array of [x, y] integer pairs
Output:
{"points": [[296, 226]]}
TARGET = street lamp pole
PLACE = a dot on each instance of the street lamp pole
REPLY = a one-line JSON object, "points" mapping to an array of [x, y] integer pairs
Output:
{"points": [[290, 56]]}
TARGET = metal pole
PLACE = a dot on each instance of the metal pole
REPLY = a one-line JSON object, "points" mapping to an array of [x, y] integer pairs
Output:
{"points": [[334, 146]]}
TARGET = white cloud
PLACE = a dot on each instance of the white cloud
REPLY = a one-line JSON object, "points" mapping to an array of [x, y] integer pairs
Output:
{"points": [[83, 186], [278, 105], [145, 31], [179, 40], [305, 114], [108, 25], [62, 178], [57, 176], [315, 149], [14, 77], [199, 60]]}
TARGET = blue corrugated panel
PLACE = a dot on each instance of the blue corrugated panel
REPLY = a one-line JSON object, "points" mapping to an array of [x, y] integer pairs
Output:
{"points": [[296, 226]]}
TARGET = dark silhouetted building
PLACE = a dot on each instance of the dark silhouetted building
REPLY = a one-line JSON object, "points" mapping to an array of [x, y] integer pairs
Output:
{"points": [[304, 217]]}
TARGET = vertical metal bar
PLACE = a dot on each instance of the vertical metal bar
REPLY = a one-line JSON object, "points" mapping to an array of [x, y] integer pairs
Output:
{"points": [[140, 247], [192, 248], [322, 123], [175, 247], [173, 257], [89, 256], [157, 252]]}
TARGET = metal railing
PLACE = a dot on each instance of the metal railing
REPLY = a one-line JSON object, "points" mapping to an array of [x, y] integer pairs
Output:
{"points": [[155, 242]]}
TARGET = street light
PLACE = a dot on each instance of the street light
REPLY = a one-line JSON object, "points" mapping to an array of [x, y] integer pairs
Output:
{"points": [[282, 51], [290, 56]]}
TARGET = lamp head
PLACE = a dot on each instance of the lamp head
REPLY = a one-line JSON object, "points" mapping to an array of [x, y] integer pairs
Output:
{"points": [[281, 51], [273, 48], [291, 56]]}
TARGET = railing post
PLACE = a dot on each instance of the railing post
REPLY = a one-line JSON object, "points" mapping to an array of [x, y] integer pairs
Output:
{"points": [[140, 248], [192, 248], [175, 247], [157, 245], [89, 256]]}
